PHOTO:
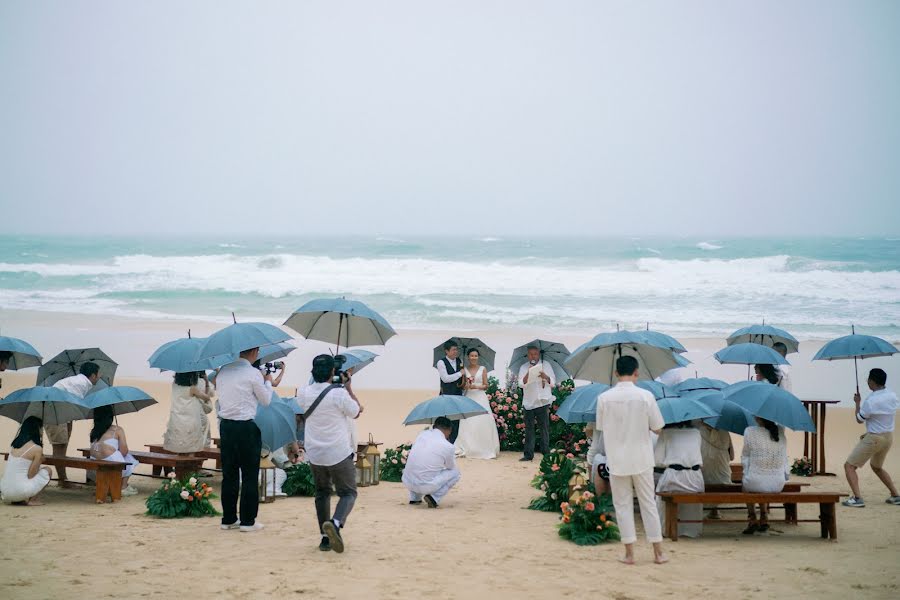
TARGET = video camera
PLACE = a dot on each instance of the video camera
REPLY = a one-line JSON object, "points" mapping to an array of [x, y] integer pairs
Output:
{"points": [[270, 367], [339, 375]]}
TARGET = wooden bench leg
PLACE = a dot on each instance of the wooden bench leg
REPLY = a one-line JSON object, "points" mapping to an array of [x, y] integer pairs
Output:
{"points": [[824, 518], [829, 520], [790, 514], [104, 488], [157, 470], [671, 520]]}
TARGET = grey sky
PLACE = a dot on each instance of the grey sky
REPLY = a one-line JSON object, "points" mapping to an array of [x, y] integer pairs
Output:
{"points": [[480, 117]]}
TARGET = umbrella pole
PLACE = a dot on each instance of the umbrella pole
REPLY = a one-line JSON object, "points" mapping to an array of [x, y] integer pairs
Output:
{"points": [[856, 372], [340, 325]]}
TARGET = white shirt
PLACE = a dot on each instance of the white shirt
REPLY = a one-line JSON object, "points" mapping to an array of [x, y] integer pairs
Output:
{"points": [[447, 377], [78, 385], [430, 455], [241, 388], [878, 411], [625, 415], [785, 381], [327, 433], [678, 447], [534, 395], [596, 454]]}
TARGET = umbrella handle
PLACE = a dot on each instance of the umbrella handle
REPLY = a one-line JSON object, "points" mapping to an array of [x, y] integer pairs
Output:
{"points": [[856, 372]]}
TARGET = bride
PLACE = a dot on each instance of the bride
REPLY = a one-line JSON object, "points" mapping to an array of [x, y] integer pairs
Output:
{"points": [[477, 435]]}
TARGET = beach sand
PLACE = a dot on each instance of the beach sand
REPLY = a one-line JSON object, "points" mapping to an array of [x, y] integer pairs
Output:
{"points": [[480, 542]]}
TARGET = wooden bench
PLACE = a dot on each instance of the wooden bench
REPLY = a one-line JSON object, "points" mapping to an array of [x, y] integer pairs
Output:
{"points": [[826, 501], [737, 472], [109, 473], [207, 453], [161, 464]]}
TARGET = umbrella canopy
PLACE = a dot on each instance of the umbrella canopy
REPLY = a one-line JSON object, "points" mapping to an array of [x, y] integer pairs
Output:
{"points": [[23, 354], [765, 335], [486, 354], [658, 390], [452, 407], [123, 399], [290, 401], [857, 347], [52, 405], [341, 322], [664, 340], [770, 402], [357, 360], [699, 383], [68, 363], [731, 417], [581, 405], [554, 353], [685, 408], [272, 352], [182, 356], [238, 337], [749, 354], [596, 359], [277, 423]]}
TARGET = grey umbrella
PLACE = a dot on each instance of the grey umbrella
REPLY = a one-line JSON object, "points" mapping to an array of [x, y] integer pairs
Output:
{"points": [[486, 354], [554, 353], [68, 363]]}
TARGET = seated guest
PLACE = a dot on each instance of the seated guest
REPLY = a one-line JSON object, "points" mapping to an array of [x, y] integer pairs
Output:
{"points": [[25, 478], [766, 467], [188, 427], [717, 453], [767, 373], [431, 466], [678, 460], [108, 443], [596, 459]]}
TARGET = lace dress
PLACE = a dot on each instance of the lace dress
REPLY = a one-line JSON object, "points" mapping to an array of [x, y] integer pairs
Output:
{"points": [[766, 466]]}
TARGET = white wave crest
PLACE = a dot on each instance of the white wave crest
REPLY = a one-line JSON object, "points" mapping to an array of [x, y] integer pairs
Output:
{"points": [[708, 246]]}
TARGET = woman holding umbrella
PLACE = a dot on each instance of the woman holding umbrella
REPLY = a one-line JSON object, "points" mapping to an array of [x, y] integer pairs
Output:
{"points": [[25, 478]]}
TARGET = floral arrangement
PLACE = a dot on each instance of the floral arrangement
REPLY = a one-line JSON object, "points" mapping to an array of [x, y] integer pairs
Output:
{"points": [[588, 520], [393, 462], [509, 415], [181, 498], [299, 480], [552, 480], [802, 467]]}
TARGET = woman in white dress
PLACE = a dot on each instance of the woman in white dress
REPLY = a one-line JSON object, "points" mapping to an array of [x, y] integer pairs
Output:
{"points": [[717, 453], [678, 459], [24, 477], [188, 427], [766, 468], [478, 436], [108, 443]]}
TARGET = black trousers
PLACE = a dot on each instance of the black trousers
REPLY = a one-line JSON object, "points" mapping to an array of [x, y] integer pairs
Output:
{"points": [[542, 416], [454, 430], [240, 444]]}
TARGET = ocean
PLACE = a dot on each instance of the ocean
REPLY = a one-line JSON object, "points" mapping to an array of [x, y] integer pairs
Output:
{"points": [[814, 287]]}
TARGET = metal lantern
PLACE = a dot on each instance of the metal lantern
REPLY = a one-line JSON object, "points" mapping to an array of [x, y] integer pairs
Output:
{"points": [[266, 474], [372, 454], [576, 486], [363, 471]]}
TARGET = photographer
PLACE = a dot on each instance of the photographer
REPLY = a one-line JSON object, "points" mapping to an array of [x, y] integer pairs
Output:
{"points": [[270, 368], [329, 409]]}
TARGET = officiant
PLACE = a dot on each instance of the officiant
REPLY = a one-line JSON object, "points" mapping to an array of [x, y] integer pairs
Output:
{"points": [[537, 379]]}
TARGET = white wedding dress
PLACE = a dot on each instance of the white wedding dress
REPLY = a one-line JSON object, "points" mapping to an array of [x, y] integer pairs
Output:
{"points": [[478, 436]]}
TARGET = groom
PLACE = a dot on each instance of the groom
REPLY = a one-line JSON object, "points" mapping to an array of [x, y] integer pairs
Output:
{"points": [[450, 369]]}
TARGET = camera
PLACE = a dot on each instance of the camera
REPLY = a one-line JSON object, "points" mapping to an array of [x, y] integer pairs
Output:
{"points": [[339, 376], [271, 367]]}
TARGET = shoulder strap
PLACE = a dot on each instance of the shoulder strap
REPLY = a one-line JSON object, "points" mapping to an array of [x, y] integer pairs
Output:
{"points": [[322, 395]]}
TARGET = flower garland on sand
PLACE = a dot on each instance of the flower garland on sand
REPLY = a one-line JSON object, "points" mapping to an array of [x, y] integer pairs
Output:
{"points": [[393, 462], [299, 480], [553, 478], [178, 498], [802, 467], [588, 520]]}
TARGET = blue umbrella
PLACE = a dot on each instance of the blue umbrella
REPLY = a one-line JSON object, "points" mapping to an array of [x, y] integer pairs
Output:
{"points": [[357, 359], [595, 360], [181, 356], [731, 417], [765, 335], [54, 406], [277, 423], [658, 390], [699, 383], [122, 398], [749, 354], [553, 352], [770, 402], [664, 340], [23, 354], [685, 408], [272, 352], [452, 407], [486, 354], [68, 363], [238, 337], [581, 405], [342, 322], [855, 346]]}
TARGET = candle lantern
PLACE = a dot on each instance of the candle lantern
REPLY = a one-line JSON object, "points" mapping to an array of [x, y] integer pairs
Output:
{"points": [[266, 479], [363, 471], [374, 456]]}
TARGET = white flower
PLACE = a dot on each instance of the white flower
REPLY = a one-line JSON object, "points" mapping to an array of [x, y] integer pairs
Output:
{"points": [[192, 481], [171, 475], [184, 495], [553, 496]]}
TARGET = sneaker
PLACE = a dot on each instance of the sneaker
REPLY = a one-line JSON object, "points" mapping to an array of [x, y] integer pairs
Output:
{"points": [[854, 502], [525, 459], [251, 528], [230, 526], [334, 536], [893, 500], [130, 491], [431, 502], [325, 544]]}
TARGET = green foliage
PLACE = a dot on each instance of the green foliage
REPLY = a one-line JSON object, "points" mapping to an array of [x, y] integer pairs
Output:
{"points": [[589, 520], [393, 462], [299, 481], [553, 481], [186, 497], [802, 467]]}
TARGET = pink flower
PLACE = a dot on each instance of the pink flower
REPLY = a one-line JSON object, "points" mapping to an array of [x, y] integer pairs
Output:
{"points": [[589, 506], [570, 455], [554, 468], [554, 418]]}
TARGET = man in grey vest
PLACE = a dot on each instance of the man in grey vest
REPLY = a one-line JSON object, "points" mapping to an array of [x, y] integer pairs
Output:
{"points": [[450, 369]]}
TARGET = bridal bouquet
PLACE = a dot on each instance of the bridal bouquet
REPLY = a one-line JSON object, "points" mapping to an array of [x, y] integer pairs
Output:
{"points": [[393, 462], [588, 520], [553, 480], [181, 498]]}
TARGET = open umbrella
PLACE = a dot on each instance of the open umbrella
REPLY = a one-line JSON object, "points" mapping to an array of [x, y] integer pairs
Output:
{"points": [[341, 322], [554, 353], [731, 417], [277, 423], [238, 337], [770, 402], [272, 352], [23, 354], [855, 346], [52, 405], [68, 363], [699, 383], [581, 405], [486, 354], [749, 354], [123, 399], [596, 360], [182, 356], [684, 408], [765, 335], [658, 390], [664, 340], [452, 407], [357, 359]]}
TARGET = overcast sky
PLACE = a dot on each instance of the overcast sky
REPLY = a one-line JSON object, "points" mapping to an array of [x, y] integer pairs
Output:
{"points": [[441, 117]]}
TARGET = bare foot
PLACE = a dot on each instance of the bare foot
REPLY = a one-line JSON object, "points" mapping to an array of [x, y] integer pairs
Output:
{"points": [[660, 559], [34, 502], [627, 560]]}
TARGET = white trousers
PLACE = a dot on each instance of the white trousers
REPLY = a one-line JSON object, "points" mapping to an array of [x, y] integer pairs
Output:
{"points": [[436, 488], [624, 488]]}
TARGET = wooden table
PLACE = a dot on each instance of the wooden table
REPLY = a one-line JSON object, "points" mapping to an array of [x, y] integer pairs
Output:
{"points": [[814, 443]]}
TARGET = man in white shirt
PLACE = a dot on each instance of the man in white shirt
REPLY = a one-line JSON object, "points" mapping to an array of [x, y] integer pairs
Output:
{"points": [[877, 412], [430, 470], [329, 447], [77, 385], [537, 379], [450, 370], [627, 414], [784, 371], [242, 388]]}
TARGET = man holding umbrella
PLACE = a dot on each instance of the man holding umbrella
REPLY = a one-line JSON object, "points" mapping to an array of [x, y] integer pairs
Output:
{"points": [[78, 385], [537, 379]]}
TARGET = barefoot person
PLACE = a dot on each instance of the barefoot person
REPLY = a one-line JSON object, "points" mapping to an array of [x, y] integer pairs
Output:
{"points": [[431, 470], [877, 412], [79, 385], [626, 414], [25, 478]]}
